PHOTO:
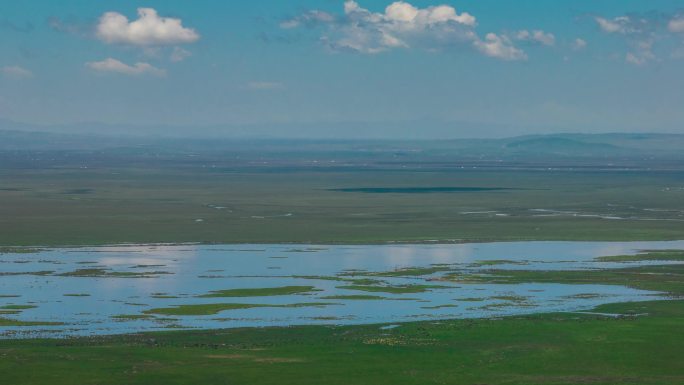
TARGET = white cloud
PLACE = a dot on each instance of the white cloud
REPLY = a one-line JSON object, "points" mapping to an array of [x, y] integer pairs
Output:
{"points": [[308, 18], [148, 30], [179, 54], [579, 44], [676, 24], [640, 31], [620, 24], [537, 36], [402, 25], [16, 72], [113, 65], [642, 53], [264, 85], [500, 47]]}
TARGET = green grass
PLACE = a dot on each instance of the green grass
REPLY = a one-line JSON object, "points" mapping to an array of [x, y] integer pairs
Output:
{"points": [[406, 272], [259, 292], [359, 297], [665, 278], [394, 289], [494, 262], [19, 250], [553, 349], [646, 255], [18, 307], [104, 273], [13, 322], [131, 317]]}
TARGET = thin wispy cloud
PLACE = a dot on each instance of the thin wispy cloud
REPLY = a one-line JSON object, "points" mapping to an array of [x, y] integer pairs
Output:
{"points": [[644, 33], [15, 72], [579, 44], [111, 65]]}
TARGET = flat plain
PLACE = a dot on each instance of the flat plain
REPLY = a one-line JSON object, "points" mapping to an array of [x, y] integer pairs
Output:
{"points": [[350, 193]]}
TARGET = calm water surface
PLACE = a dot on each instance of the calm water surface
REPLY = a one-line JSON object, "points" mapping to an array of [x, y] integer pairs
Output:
{"points": [[193, 270]]}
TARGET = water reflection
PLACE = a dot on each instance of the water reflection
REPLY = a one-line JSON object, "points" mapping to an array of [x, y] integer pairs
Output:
{"points": [[86, 288]]}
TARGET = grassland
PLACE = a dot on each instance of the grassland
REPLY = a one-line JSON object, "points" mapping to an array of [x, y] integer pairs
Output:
{"points": [[146, 195], [196, 204], [541, 349]]}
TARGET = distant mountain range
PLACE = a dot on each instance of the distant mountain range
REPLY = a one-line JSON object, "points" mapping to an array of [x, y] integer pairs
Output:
{"points": [[568, 145]]}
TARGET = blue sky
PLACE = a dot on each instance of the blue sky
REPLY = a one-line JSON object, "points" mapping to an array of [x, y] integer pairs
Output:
{"points": [[312, 68]]}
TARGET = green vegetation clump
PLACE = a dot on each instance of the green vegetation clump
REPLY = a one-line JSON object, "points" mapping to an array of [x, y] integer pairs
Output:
{"points": [[394, 289], [494, 262], [17, 307], [664, 278], [215, 308], [438, 306], [259, 292], [13, 322], [406, 272], [646, 255], [354, 297], [19, 250], [104, 273], [131, 317]]}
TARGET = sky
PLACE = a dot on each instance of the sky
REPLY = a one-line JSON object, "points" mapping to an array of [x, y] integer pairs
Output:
{"points": [[336, 68]]}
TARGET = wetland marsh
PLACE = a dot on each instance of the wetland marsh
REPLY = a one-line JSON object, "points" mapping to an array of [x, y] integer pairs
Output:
{"points": [[134, 288]]}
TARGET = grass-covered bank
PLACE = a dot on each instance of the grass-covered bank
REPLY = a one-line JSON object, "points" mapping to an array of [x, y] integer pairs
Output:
{"points": [[563, 348]]}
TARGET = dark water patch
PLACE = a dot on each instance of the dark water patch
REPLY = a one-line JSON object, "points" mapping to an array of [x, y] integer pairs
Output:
{"points": [[419, 190]]}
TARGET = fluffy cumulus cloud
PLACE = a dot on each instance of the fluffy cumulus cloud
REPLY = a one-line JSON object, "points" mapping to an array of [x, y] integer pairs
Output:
{"points": [[148, 30], [402, 25], [15, 72], [116, 66]]}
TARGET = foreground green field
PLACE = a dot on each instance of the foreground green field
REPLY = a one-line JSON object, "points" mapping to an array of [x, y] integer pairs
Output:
{"points": [[543, 349], [194, 203]]}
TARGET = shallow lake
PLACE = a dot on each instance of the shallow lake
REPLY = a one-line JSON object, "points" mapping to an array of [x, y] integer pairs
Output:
{"points": [[116, 289]]}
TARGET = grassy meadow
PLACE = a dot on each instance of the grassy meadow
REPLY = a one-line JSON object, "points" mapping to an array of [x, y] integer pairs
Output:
{"points": [[73, 206]]}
